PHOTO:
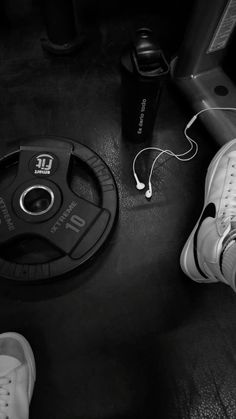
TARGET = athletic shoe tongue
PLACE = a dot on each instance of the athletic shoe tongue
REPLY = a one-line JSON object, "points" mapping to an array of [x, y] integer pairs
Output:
{"points": [[7, 364]]}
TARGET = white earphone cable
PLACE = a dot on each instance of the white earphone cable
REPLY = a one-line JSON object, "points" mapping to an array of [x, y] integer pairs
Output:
{"points": [[180, 156]]}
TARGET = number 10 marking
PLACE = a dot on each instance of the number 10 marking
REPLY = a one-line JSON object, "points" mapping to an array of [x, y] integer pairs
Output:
{"points": [[76, 223]]}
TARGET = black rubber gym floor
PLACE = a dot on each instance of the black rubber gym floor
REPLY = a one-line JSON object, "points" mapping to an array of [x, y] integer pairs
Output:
{"points": [[130, 336]]}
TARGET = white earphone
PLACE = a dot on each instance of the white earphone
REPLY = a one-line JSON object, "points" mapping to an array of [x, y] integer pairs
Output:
{"points": [[140, 185], [148, 192]]}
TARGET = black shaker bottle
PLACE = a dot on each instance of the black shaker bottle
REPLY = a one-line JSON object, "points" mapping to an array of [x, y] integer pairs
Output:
{"points": [[143, 66]]}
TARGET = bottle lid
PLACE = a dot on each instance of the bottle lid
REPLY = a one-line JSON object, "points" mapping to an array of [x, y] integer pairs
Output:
{"points": [[147, 56]]}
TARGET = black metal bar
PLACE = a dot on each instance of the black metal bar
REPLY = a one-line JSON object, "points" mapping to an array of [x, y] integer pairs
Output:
{"points": [[62, 33]]}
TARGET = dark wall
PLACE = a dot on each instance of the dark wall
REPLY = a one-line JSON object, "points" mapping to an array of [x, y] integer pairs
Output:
{"points": [[168, 19], [91, 9]]}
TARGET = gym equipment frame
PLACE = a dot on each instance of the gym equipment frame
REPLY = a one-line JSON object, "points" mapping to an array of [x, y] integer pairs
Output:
{"points": [[198, 69]]}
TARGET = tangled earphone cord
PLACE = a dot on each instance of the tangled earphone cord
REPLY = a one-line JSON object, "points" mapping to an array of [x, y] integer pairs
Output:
{"points": [[180, 156]]}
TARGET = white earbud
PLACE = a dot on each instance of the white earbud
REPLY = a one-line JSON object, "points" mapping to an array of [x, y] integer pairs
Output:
{"points": [[148, 193], [140, 186]]}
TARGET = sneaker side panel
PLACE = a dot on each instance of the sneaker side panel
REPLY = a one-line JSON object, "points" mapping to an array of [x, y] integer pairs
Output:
{"points": [[187, 259]]}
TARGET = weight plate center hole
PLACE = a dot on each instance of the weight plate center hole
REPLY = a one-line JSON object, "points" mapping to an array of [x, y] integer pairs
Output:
{"points": [[37, 200]]}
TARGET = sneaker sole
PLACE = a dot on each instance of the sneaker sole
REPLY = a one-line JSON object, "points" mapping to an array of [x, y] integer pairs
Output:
{"points": [[187, 261], [29, 358]]}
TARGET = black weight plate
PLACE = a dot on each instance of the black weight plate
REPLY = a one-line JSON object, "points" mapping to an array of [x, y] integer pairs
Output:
{"points": [[58, 206]]}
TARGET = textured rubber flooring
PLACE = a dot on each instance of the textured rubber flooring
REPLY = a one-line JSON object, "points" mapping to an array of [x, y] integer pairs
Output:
{"points": [[130, 336]]}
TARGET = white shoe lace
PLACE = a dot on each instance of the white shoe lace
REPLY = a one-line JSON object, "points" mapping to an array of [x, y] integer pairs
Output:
{"points": [[229, 196], [4, 394]]}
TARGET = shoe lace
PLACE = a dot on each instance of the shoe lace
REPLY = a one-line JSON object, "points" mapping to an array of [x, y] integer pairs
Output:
{"points": [[4, 393], [229, 196]]}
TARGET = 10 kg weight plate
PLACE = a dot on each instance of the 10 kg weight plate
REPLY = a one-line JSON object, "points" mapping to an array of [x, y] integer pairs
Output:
{"points": [[48, 225]]}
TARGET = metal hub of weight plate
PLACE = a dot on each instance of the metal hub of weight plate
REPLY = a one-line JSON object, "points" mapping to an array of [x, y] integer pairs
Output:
{"points": [[48, 225]]}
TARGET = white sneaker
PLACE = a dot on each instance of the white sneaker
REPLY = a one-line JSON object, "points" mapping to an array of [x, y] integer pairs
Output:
{"points": [[209, 254], [17, 376]]}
